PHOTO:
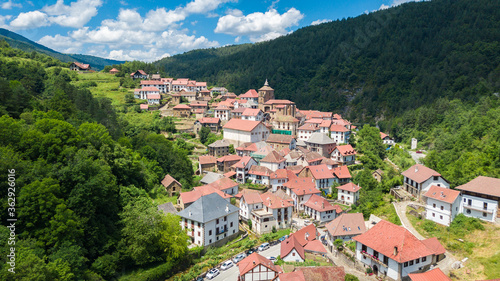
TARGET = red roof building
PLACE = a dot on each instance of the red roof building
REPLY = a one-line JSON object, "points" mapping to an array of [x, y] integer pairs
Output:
{"points": [[432, 275], [322, 273], [320, 209], [418, 179], [257, 265], [292, 250]]}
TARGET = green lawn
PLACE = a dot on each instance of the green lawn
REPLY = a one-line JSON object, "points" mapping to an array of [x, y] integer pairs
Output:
{"points": [[108, 86]]}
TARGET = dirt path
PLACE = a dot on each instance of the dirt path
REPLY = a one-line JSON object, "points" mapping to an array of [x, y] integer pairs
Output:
{"points": [[349, 268]]}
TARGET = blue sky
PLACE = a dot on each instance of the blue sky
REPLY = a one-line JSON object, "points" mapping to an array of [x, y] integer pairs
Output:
{"points": [[149, 30]]}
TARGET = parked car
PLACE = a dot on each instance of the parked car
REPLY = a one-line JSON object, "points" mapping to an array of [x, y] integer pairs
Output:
{"points": [[273, 259], [418, 151], [199, 278], [238, 258], [212, 273], [226, 265], [263, 247], [283, 238], [251, 251]]}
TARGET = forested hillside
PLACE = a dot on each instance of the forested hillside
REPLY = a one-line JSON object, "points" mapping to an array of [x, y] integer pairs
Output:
{"points": [[84, 179], [375, 65]]}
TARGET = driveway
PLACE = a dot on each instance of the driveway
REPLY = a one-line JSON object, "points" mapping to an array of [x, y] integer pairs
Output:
{"points": [[232, 273], [417, 156]]}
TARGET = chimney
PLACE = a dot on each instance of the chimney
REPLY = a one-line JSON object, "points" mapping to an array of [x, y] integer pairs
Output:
{"points": [[416, 169], [323, 205], [227, 208], [395, 250]]}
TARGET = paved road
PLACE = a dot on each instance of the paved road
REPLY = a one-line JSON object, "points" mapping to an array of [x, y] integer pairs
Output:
{"points": [[232, 273], [417, 156]]}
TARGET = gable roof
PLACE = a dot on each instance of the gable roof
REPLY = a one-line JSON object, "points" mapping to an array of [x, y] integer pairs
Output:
{"points": [[289, 244], [155, 96], [350, 187], [219, 143], [434, 245], [342, 172], [345, 150], [210, 177], [319, 138], [207, 159], [292, 276], [223, 184], [419, 173], [274, 202], [252, 93], [347, 225], [320, 204], [114, 70], [251, 196], [273, 157], [82, 65], [308, 127], [315, 246], [251, 112], [322, 273], [150, 89], [385, 237], [182, 106], [167, 208], [432, 275], [254, 260], [208, 208], [442, 194], [320, 172], [229, 158], [260, 171], [302, 186], [338, 128], [306, 234], [243, 162], [168, 180], [209, 120], [482, 185], [242, 125], [200, 191], [383, 135], [278, 138]]}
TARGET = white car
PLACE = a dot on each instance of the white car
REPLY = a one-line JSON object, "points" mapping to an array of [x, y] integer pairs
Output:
{"points": [[263, 247], [226, 265], [273, 259], [238, 258], [212, 273]]}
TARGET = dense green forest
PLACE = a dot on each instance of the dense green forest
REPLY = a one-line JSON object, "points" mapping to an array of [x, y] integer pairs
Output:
{"points": [[373, 66], [85, 179], [17, 41]]}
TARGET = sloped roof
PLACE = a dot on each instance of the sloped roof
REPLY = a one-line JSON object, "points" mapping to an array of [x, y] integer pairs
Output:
{"points": [[289, 244], [350, 187], [150, 89], [260, 171], [325, 123], [242, 125], [273, 157], [207, 159], [385, 237], [209, 120], [482, 185], [144, 106], [230, 174], [312, 156], [274, 202], [345, 150], [342, 172], [223, 184], [347, 225], [383, 136], [254, 260], [243, 162], [302, 183], [168, 180], [314, 121], [208, 208], [81, 65], [442, 194], [434, 245], [251, 196], [306, 234], [292, 276], [210, 177], [308, 127], [315, 246], [156, 96], [320, 172], [219, 143], [338, 128], [432, 275], [251, 112], [419, 173], [229, 158], [239, 110], [322, 273], [320, 204], [198, 192], [182, 106], [167, 208], [252, 93], [265, 150], [278, 138], [280, 174], [319, 138], [114, 70]]}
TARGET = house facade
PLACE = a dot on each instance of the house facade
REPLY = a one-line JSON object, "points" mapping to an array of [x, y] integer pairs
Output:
{"points": [[344, 227], [442, 204], [243, 167], [239, 131], [320, 143], [219, 148], [182, 110], [320, 210], [279, 142], [348, 193], [481, 198], [257, 268], [343, 154], [250, 200], [171, 185], [322, 176], [418, 179], [339, 134]]}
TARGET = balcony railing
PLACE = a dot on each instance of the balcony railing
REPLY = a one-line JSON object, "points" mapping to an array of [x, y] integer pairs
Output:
{"points": [[486, 210], [219, 231], [372, 257]]}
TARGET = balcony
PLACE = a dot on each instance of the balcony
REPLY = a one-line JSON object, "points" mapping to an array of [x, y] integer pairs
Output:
{"points": [[373, 258], [220, 231], [486, 210]]}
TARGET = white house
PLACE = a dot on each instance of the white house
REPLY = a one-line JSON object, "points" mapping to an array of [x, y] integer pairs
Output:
{"points": [[239, 131], [301, 189], [278, 179], [242, 167], [339, 134], [418, 179], [305, 131], [226, 185], [145, 91], [252, 114], [250, 95], [223, 112], [154, 98], [273, 161], [276, 212], [160, 85], [291, 250], [250, 200], [386, 139], [442, 204], [481, 198], [344, 154], [260, 175], [392, 251], [348, 193], [322, 176], [344, 227], [257, 268], [320, 210], [210, 219]]}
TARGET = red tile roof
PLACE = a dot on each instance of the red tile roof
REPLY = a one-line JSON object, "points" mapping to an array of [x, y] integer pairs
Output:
{"points": [[250, 94], [482, 185], [207, 159], [251, 196], [144, 106], [383, 136], [242, 125], [114, 70], [308, 127], [289, 244], [153, 96], [243, 162], [442, 194], [347, 225], [81, 65], [151, 82], [229, 174], [315, 246], [182, 106], [273, 157], [322, 273], [342, 172], [345, 150], [325, 123], [274, 202], [385, 237], [223, 184], [193, 195], [320, 204], [419, 173], [280, 174], [434, 245], [350, 187], [314, 121], [292, 276], [302, 186], [279, 102], [229, 158], [260, 171], [222, 107], [209, 120], [338, 128], [150, 89], [432, 275], [306, 234], [168, 180], [255, 260], [320, 172], [251, 112]]}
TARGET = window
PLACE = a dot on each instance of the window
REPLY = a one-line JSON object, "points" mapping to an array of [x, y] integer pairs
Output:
{"points": [[363, 248], [433, 205], [411, 263], [435, 178], [468, 211], [386, 260], [406, 264], [210, 232], [293, 254], [417, 261], [231, 224], [199, 233], [433, 215], [424, 259], [210, 241], [442, 208], [217, 221], [484, 214], [440, 217]]}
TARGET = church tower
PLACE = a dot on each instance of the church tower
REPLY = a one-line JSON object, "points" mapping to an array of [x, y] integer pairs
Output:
{"points": [[265, 93]]}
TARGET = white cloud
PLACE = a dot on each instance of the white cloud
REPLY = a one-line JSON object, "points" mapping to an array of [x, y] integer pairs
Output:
{"points": [[76, 15], [28, 20], [3, 19], [129, 55], [316, 22], [60, 43], [9, 5], [259, 26], [203, 6]]}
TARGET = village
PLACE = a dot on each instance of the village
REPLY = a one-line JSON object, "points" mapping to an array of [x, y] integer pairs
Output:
{"points": [[276, 167]]}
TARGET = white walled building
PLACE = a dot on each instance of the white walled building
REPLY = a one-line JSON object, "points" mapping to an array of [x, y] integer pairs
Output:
{"points": [[343, 154], [223, 112], [418, 179], [257, 268], [442, 204], [252, 114], [273, 161], [348, 193], [344, 227], [320, 210], [481, 198], [209, 219], [339, 134], [242, 167], [239, 131], [250, 200]]}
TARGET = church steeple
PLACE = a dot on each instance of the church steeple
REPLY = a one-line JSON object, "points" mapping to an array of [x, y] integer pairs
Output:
{"points": [[266, 84]]}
